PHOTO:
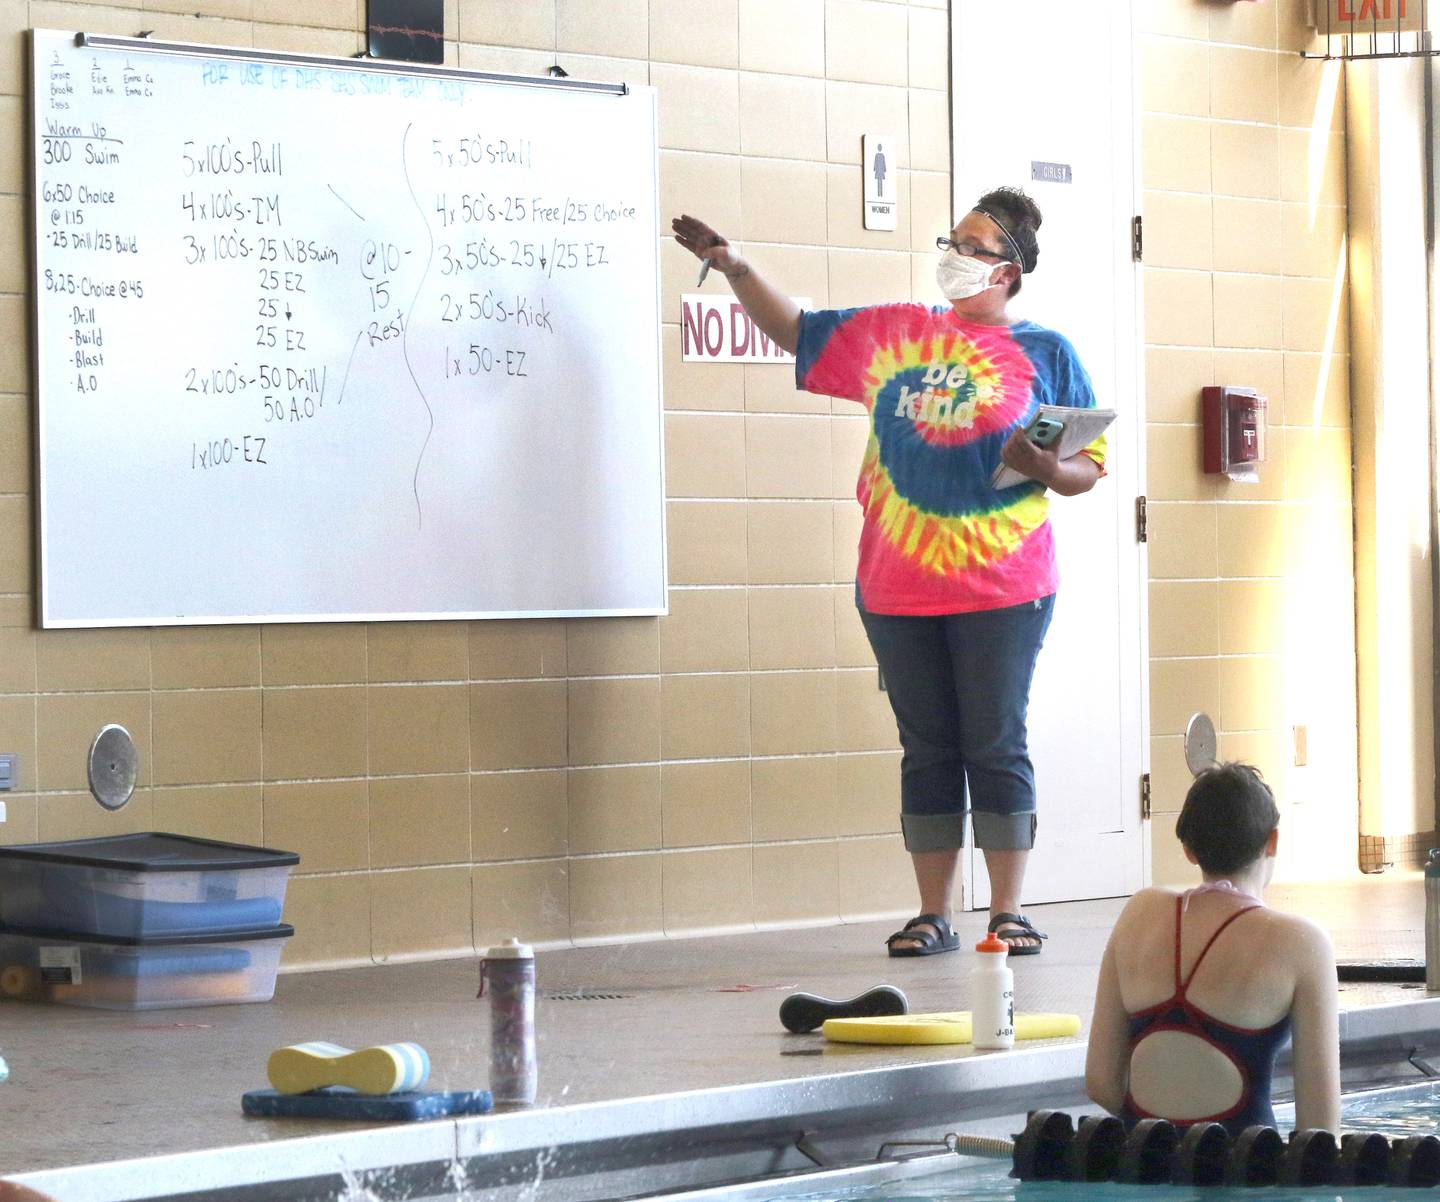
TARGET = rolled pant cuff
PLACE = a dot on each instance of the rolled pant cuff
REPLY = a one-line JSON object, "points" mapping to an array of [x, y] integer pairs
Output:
{"points": [[933, 832], [1003, 832]]}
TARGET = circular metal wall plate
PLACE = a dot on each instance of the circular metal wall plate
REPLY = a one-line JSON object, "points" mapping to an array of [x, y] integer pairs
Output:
{"points": [[112, 766], [1199, 744]]}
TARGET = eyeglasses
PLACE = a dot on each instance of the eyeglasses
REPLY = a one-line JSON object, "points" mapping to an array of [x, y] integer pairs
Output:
{"points": [[968, 249]]}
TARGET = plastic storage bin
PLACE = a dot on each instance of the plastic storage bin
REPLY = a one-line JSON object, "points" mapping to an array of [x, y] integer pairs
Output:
{"points": [[142, 886], [137, 974]]}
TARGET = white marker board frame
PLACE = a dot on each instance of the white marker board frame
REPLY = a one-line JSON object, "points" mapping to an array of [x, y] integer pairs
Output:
{"points": [[548, 502]]}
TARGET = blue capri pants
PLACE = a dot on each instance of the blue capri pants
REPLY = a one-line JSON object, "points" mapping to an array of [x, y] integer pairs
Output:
{"points": [[960, 688]]}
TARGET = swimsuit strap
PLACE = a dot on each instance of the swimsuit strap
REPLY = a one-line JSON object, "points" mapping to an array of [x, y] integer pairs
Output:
{"points": [[1179, 914], [1180, 991]]}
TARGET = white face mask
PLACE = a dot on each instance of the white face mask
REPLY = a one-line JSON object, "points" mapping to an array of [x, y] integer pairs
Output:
{"points": [[961, 276]]}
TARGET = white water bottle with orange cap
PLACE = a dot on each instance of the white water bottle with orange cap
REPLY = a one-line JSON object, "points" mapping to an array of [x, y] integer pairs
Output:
{"points": [[992, 995]]}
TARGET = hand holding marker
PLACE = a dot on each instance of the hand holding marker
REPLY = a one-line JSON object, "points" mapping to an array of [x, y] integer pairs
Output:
{"points": [[709, 246]]}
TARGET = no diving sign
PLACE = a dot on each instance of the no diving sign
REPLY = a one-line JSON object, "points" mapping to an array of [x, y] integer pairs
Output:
{"points": [[715, 329]]}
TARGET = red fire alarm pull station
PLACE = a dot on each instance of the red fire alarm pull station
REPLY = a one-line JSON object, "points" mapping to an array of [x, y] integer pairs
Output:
{"points": [[1233, 424]]}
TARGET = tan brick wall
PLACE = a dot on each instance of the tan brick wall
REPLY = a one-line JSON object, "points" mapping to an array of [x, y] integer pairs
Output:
{"points": [[733, 764], [451, 783], [1252, 585]]}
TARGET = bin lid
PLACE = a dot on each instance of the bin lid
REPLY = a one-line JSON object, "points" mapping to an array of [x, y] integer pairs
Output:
{"points": [[151, 851], [281, 930]]}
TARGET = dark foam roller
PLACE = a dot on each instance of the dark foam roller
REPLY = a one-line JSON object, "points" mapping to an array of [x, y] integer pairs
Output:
{"points": [[1040, 1149], [1311, 1158], [1255, 1157], [1364, 1159], [1145, 1158], [1094, 1153], [1415, 1162], [1201, 1156]]}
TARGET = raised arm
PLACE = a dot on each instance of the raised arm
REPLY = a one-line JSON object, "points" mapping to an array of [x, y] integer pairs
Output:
{"points": [[1315, 1031], [1107, 1070], [774, 312]]}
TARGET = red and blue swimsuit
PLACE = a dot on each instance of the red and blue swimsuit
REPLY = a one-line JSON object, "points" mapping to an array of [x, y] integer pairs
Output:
{"points": [[1251, 1050]]}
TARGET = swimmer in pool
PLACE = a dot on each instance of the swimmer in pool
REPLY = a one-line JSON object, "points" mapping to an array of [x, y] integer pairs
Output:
{"points": [[1199, 989]]}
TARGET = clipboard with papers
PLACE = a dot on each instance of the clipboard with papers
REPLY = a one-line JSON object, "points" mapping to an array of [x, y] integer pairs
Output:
{"points": [[1079, 428]]}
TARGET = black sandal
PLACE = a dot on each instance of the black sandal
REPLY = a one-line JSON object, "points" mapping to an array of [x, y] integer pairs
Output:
{"points": [[931, 943], [1026, 932]]}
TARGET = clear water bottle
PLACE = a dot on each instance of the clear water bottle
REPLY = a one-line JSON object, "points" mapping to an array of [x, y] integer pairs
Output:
{"points": [[1432, 920], [508, 971]]}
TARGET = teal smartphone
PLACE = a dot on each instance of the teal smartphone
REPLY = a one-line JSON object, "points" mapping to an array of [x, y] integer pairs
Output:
{"points": [[1044, 431]]}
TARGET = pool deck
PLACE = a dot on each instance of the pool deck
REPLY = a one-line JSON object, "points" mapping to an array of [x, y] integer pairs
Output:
{"points": [[89, 1087]]}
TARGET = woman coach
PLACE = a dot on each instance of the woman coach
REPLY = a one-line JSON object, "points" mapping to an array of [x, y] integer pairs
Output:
{"points": [[956, 579]]}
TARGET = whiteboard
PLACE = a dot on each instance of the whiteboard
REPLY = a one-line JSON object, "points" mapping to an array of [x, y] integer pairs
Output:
{"points": [[318, 340]]}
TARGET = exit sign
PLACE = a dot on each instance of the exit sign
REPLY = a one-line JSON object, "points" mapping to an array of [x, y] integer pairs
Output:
{"points": [[1365, 17]]}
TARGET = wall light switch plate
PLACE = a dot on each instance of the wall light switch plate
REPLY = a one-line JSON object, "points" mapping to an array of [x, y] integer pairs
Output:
{"points": [[1302, 746], [7, 773]]}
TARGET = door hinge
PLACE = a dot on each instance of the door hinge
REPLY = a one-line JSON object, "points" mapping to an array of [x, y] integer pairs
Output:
{"points": [[1142, 521], [1145, 797], [1137, 238]]}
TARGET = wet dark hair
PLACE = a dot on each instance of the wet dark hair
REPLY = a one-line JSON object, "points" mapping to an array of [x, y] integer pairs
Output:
{"points": [[1018, 218], [1227, 817]]}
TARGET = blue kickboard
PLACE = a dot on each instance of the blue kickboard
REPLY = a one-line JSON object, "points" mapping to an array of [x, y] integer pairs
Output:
{"points": [[79, 908], [170, 961], [211, 914], [337, 1102]]}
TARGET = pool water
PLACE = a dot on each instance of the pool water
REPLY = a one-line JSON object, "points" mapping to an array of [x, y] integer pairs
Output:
{"points": [[991, 1184], [1409, 1110]]}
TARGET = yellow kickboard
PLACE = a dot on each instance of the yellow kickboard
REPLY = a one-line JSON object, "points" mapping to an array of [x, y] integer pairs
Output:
{"points": [[950, 1027]]}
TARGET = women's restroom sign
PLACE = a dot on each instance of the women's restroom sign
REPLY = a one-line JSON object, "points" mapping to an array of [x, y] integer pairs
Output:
{"points": [[716, 329], [878, 162]]}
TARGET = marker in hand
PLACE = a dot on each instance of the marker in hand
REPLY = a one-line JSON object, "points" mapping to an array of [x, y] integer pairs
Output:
{"points": [[697, 237], [715, 240]]}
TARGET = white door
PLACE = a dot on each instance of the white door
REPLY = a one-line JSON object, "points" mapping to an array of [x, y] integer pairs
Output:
{"points": [[1043, 97]]}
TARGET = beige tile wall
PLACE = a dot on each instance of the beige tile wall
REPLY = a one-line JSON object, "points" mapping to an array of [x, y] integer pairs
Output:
{"points": [[1252, 585], [450, 784], [733, 765]]}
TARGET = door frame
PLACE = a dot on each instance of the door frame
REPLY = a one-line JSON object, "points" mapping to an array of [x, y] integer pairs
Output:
{"points": [[1128, 473]]}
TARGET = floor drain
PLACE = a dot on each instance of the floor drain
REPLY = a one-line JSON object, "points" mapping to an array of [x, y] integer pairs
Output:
{"points": [[585, 995]]}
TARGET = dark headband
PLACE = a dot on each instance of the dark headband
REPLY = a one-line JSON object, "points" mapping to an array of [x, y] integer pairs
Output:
{"points": [[1025, 265]]}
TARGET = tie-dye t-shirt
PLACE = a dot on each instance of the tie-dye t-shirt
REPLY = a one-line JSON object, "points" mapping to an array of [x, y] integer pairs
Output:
{"points": [[943, 396]]}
